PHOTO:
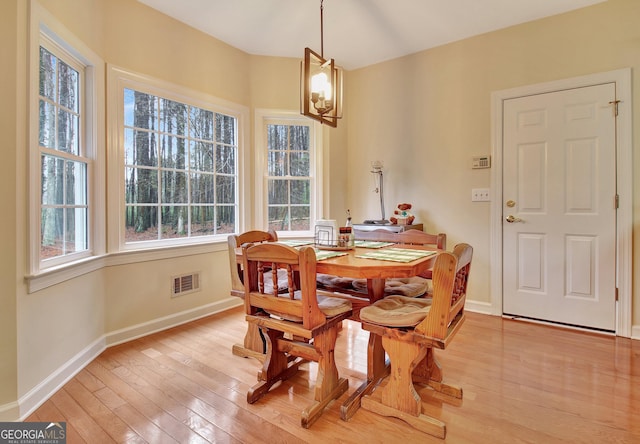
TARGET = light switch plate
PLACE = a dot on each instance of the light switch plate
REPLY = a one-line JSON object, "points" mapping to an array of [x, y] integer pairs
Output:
{"points": [[480, 195]]}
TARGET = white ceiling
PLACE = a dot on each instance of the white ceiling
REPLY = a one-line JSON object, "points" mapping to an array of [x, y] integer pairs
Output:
{"points": [[357, 33]]}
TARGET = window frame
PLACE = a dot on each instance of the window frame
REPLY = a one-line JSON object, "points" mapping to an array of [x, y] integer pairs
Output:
{"points": [[117, 80], [46, 31], [264, 117]]}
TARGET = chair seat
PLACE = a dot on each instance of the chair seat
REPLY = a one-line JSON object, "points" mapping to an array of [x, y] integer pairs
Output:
{"points": [[411, 287], [396, 311], [330, 306], [329, 281]]}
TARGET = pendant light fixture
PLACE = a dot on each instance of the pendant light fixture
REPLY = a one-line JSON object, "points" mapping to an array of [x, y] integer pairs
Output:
{"points": [[321, 84]]}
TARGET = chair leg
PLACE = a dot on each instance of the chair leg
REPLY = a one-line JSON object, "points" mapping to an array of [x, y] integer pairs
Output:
{"points": [[276, 367], [254, 344], [397, 396], [400, 393], [429, 371], [329, 385]]}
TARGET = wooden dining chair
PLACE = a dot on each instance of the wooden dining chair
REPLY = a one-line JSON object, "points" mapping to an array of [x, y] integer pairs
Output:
{"points": [[254, 344], [411, 329], [298, 325], [416, 286]]}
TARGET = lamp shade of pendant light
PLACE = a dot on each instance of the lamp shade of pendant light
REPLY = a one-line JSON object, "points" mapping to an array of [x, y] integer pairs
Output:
{"points": [[321, 85]]}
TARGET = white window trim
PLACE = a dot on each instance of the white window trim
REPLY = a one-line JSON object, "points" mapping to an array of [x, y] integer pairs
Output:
{"points": [[260, 195], [42, 23], [117, 80]]}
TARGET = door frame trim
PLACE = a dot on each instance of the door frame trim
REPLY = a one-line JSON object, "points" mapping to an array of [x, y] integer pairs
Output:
{"points": [[624, 185]]}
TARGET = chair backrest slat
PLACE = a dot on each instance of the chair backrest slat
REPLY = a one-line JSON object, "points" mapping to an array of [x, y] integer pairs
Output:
{"points": [[450, 279], [278, 256], [236, 240], [415, 237]]}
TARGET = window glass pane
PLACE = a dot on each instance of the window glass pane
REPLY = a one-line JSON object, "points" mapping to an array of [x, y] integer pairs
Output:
{"points": [[140, 148], [278, 192], [76, 230], [225, 129], [141, 223], [52, 232], [141, 185], [300, 192], [277, 163], [76, 183], [278, 218], [140, 110], [225, 189], [67, 132], [202, 188], [225, 159], [68, 80], [201, 156], [174, 187], [174, 221], [203, 220], [226, 218], [201, 124], [48, 67], [172, 152], [277, 137], [47, 125], [299, 138], [300, 218], [52, 180], [173, 117], [299, 164]]}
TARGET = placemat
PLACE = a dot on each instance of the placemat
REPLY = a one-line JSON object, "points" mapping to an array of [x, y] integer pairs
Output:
{"points": [[328, 254], [295, 242], [396, 254], [372, 244]]}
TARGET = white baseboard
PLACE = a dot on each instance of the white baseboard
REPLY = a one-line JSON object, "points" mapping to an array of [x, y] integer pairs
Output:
{"points": [[41, 392], [9, 412], [478, 307], [156, 325], [635, 332], [18, 411]]}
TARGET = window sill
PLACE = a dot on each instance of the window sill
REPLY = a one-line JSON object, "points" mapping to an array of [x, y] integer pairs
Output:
{"points": [[53, 276]]}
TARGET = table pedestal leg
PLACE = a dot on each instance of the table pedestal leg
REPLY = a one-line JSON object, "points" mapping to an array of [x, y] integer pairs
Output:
{"points": [[377, 370]]}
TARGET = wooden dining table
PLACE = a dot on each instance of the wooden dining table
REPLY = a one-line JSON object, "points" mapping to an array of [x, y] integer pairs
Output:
{"points": [[376, 272]]}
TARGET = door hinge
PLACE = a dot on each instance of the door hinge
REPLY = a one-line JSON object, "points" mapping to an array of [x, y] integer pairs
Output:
{"points": [[616, 294], [616, 201], [615, 106]]}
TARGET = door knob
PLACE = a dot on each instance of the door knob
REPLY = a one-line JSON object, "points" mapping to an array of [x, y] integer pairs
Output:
{"points": [[511, 219]]}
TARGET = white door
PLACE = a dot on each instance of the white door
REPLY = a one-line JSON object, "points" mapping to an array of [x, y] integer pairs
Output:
{"points": [[559, 208]]}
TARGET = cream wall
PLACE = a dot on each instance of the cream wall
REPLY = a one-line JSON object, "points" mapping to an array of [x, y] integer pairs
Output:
{"points": [[10, 22], [431, 110], [433, 115]]}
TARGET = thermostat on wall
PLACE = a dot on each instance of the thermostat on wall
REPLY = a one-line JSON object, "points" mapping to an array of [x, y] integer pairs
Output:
{"points": [[481, 162]]}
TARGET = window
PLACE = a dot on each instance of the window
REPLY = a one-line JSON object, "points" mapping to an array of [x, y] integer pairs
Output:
{"points": [[180, 169], [63, 157], [291, 171], [178, 164], [288, 177]]}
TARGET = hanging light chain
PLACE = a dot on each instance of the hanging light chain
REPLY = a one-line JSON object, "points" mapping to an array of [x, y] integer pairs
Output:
{"points": [[321, 29]]}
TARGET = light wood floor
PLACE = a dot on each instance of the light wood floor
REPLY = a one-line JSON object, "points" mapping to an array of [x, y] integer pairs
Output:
{"points": [[523, 383]]}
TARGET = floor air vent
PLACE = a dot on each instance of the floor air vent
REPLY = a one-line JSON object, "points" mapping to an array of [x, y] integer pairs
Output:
{"points": [[185, 284]]}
